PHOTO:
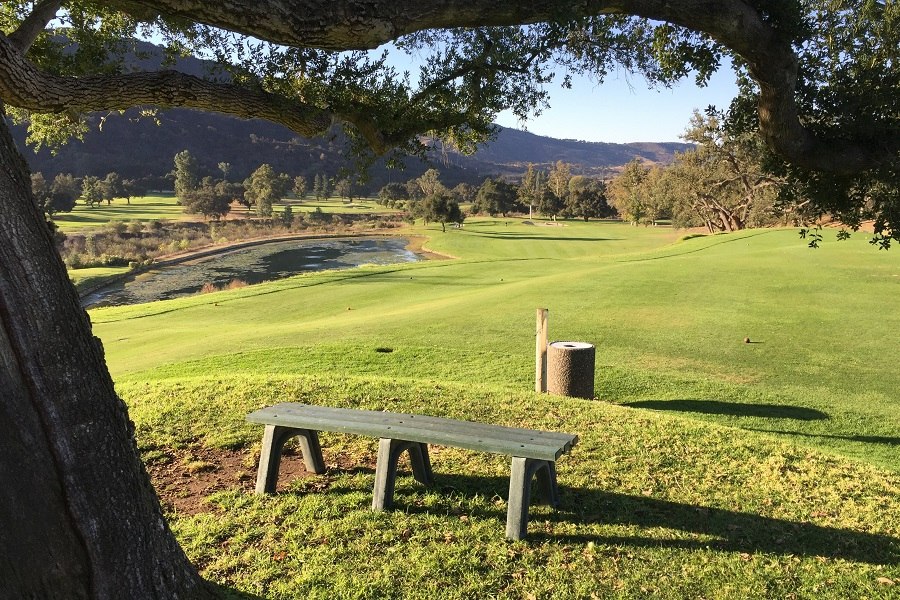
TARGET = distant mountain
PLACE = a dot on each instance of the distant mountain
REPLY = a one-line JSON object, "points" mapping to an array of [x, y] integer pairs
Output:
{"points": [[512, 151], [139, 147]]}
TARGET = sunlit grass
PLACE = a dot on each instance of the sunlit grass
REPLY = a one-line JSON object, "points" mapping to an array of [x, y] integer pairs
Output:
{"points": [[162, 207], [148, 208], [708, 468], [672, 319], [336, 206], [651, 506], [87, 278]]}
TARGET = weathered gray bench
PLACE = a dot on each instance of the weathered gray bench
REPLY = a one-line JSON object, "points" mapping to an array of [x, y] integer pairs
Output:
{"points": [[533, 452]]}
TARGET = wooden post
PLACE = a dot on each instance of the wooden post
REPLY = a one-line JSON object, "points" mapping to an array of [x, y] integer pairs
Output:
{"points": [[540, 352]]}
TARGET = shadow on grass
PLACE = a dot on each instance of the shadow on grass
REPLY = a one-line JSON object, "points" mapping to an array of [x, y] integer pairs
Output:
{"points": [[863, 439], [512, 235], [733, 531], [227, 593], [68, 217], [738, 409]]}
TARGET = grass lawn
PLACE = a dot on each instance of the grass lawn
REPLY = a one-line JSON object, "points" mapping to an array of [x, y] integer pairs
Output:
{"points": [[165, 207], [337, 206], [148, 208], [709, 467], [87, 278]]}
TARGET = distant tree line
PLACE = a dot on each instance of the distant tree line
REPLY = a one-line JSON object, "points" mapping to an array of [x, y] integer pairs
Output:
{"points": [[213, 197], [426, 198], [62, 194], [552, 194], [723, 185]]}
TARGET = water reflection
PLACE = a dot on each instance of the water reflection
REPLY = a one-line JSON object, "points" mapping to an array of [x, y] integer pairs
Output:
{"points": [[254, 264]]}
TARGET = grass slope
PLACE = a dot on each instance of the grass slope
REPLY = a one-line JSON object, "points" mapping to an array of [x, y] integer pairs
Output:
{"points": [[651, 507], [669, 323], [712, 468]]}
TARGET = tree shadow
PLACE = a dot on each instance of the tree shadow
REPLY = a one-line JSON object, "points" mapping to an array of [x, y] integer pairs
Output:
{"points": [[863, 439], [733, 531], [226, 593], [512, 235], [738, 409]]}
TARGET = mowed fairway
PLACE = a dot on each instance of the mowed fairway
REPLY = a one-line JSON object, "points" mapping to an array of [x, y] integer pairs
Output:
{"points": [[147, 208], [669, 324], [792, 489]]}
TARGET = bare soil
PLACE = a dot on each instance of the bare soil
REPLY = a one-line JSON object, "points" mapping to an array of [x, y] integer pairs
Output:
{"points": [[184, 482], [185, 478]]}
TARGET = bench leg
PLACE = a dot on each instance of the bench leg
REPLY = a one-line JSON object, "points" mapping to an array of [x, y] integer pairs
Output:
{"points": [[421, 463], [547, 481], [389, 452], [312, 451], [274, 439], [522, 472]]}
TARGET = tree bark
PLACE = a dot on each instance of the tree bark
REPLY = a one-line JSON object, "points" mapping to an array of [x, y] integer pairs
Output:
{"points": [[80, 518]]}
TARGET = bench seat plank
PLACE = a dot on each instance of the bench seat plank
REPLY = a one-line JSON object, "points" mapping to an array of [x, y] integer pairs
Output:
{"points": [[299, 411], [525, 443]]}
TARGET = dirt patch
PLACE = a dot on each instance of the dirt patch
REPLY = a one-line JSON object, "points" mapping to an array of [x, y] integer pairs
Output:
{"points": [[185, 478], [865, 226], [417, 244]]}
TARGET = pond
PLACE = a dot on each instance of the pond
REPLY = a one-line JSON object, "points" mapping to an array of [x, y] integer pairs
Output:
{"points": [[248, 265]]}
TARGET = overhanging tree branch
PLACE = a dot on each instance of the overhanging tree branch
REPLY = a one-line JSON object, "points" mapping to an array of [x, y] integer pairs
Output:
{"points": [[25, 86], [736, 24], [28, 30]]}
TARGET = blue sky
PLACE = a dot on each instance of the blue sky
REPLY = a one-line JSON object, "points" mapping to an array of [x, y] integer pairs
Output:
{"points": [[623, 109]]}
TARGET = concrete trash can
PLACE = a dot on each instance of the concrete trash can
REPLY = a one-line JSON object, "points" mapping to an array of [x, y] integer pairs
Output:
{"points": [[570, 369]]}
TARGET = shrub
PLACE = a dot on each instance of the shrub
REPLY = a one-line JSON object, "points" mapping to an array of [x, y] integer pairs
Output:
{"points": [[74, 261], [118, 227]]}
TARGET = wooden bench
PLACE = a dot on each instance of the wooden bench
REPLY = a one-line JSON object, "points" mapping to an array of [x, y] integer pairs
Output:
{"points": [[533, 452]]}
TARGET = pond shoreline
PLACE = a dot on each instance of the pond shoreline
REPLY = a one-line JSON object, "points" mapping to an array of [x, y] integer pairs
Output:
{"points": [[415, 244]]}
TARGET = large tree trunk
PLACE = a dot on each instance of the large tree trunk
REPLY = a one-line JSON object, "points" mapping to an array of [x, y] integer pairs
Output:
{"points": [[78, 515]]}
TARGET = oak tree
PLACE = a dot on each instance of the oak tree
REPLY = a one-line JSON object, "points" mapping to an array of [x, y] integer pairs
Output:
{"points": [[262, 189], [494, 197], [722, 183], [80, 518], [627, 192], [587, 198]]}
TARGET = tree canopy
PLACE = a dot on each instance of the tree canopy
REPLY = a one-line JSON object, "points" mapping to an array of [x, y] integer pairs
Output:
{"points": [[818, 77]]}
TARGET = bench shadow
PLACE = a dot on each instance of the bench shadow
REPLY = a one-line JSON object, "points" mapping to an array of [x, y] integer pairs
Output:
{"points": [[734, 531], [738, 409]]}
